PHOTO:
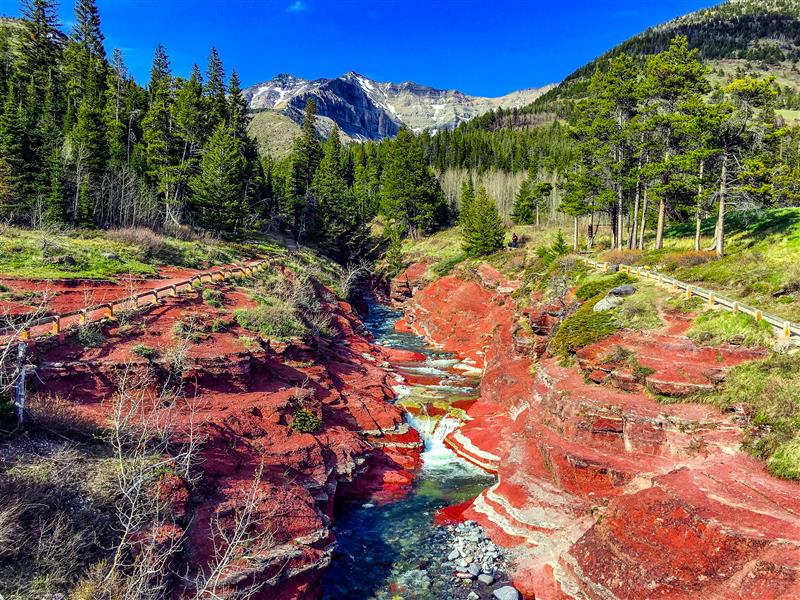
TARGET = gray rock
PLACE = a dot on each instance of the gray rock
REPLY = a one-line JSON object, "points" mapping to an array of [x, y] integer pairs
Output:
{"points": [[453, 555], [473, 596], [486, 579], [607, 303], [65, 260], [110, 255], [622, 291], [506, 592], [474, 569]]}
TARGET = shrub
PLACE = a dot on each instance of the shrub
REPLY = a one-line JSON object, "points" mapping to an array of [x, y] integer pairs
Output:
{"points": [[713, 328], [144, 351], [602, 286], [212, 297], [582, 328], [276, 320], [621, 257], [190, 328], [250, 343], [676, 260], [90, 335], [152, 244], [306, 421], [445, 266], [559, 247]]}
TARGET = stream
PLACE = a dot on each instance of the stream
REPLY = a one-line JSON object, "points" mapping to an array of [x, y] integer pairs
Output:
{"points": [[395, 550]]}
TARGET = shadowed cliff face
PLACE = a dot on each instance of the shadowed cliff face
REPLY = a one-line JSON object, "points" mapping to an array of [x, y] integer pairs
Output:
{"points": [[602, 491]]}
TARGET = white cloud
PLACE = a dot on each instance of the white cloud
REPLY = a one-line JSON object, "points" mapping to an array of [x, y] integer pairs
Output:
{"points": [[297, 6]]}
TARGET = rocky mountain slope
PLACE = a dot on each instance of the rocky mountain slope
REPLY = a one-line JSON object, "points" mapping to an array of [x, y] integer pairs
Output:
{"points": [[366, 109]]}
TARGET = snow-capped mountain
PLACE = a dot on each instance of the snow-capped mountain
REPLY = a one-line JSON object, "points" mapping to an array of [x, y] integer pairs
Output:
{"points": [[366, 109]]}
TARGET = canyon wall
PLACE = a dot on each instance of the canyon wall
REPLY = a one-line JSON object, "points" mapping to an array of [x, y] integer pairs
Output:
{"points": [[238, 396], [602, 491]]}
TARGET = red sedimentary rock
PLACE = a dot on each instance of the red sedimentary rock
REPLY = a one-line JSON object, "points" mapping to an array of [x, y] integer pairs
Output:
{"points": [[602, 492], [241, 400]]}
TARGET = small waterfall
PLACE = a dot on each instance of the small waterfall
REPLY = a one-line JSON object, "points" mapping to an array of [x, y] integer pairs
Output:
{"points": [[437, 456]]}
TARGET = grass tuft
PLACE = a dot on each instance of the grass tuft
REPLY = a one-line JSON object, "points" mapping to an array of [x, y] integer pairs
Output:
{"points": [[714, 328]]}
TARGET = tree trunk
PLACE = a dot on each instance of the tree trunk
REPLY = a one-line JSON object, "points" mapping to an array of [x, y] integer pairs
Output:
{"points": [[537, 215], [635, 221], [644, 218], [662, 211], [723, 191], [590, 239], [619, 218], [698, 213], [575, 234]]}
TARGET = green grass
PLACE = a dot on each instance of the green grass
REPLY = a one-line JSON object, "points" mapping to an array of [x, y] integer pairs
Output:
{"points": [[602, 285], [770, 388], [714, 328], [81, 254], [641, 311], [761, 267], [276, 320]]}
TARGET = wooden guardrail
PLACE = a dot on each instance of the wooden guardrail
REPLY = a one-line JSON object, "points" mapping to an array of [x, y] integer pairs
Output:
{"points": [[785, 328], [138, 300]]}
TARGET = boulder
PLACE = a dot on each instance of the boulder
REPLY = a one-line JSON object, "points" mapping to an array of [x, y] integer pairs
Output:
{"points": [[506, 593], [623, 290], [607, 303]]}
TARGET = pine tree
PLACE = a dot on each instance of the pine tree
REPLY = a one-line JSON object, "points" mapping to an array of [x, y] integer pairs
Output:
{"points": [[40, 48], [217, 103], [411, 194], [86, 209], [394, 252], [86, 32], [337, 227], [218, 200], [482, 230], [303, 163], [158, 136], [528, 199], [238, 117], [467, 196], [13, 188], [116, 114]]}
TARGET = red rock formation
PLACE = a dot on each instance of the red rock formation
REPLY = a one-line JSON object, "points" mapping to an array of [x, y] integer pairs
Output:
{"points": [[241, 401], [602, 492]]}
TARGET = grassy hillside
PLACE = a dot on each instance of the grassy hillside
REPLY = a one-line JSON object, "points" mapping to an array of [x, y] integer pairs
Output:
{"points": [[756, 36], [761, 266], [274, 132]]}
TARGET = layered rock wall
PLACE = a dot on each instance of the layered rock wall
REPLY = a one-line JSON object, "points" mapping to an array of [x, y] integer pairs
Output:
{"points": [[602, 491]]}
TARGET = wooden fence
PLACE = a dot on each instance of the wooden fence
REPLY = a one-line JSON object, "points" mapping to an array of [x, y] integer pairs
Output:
{"points": [[60, 322], [783, 327]]}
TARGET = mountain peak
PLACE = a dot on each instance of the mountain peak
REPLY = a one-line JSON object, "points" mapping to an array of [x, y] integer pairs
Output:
{"points": [[367, 109]]}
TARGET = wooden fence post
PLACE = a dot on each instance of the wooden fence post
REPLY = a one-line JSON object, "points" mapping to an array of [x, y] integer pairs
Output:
{"points": [[56, 325]]}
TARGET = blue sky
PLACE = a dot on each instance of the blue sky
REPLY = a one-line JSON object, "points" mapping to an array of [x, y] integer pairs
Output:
{"points": [[482, 48]]}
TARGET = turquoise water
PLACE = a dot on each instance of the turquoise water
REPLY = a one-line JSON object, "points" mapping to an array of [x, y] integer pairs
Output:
{"points": [[395, 550]]}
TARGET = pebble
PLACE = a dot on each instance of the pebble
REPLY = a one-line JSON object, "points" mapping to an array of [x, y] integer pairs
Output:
{"points": [[506, 592], [486, 579], [474, 570], [453, 555], [473, 596]]}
